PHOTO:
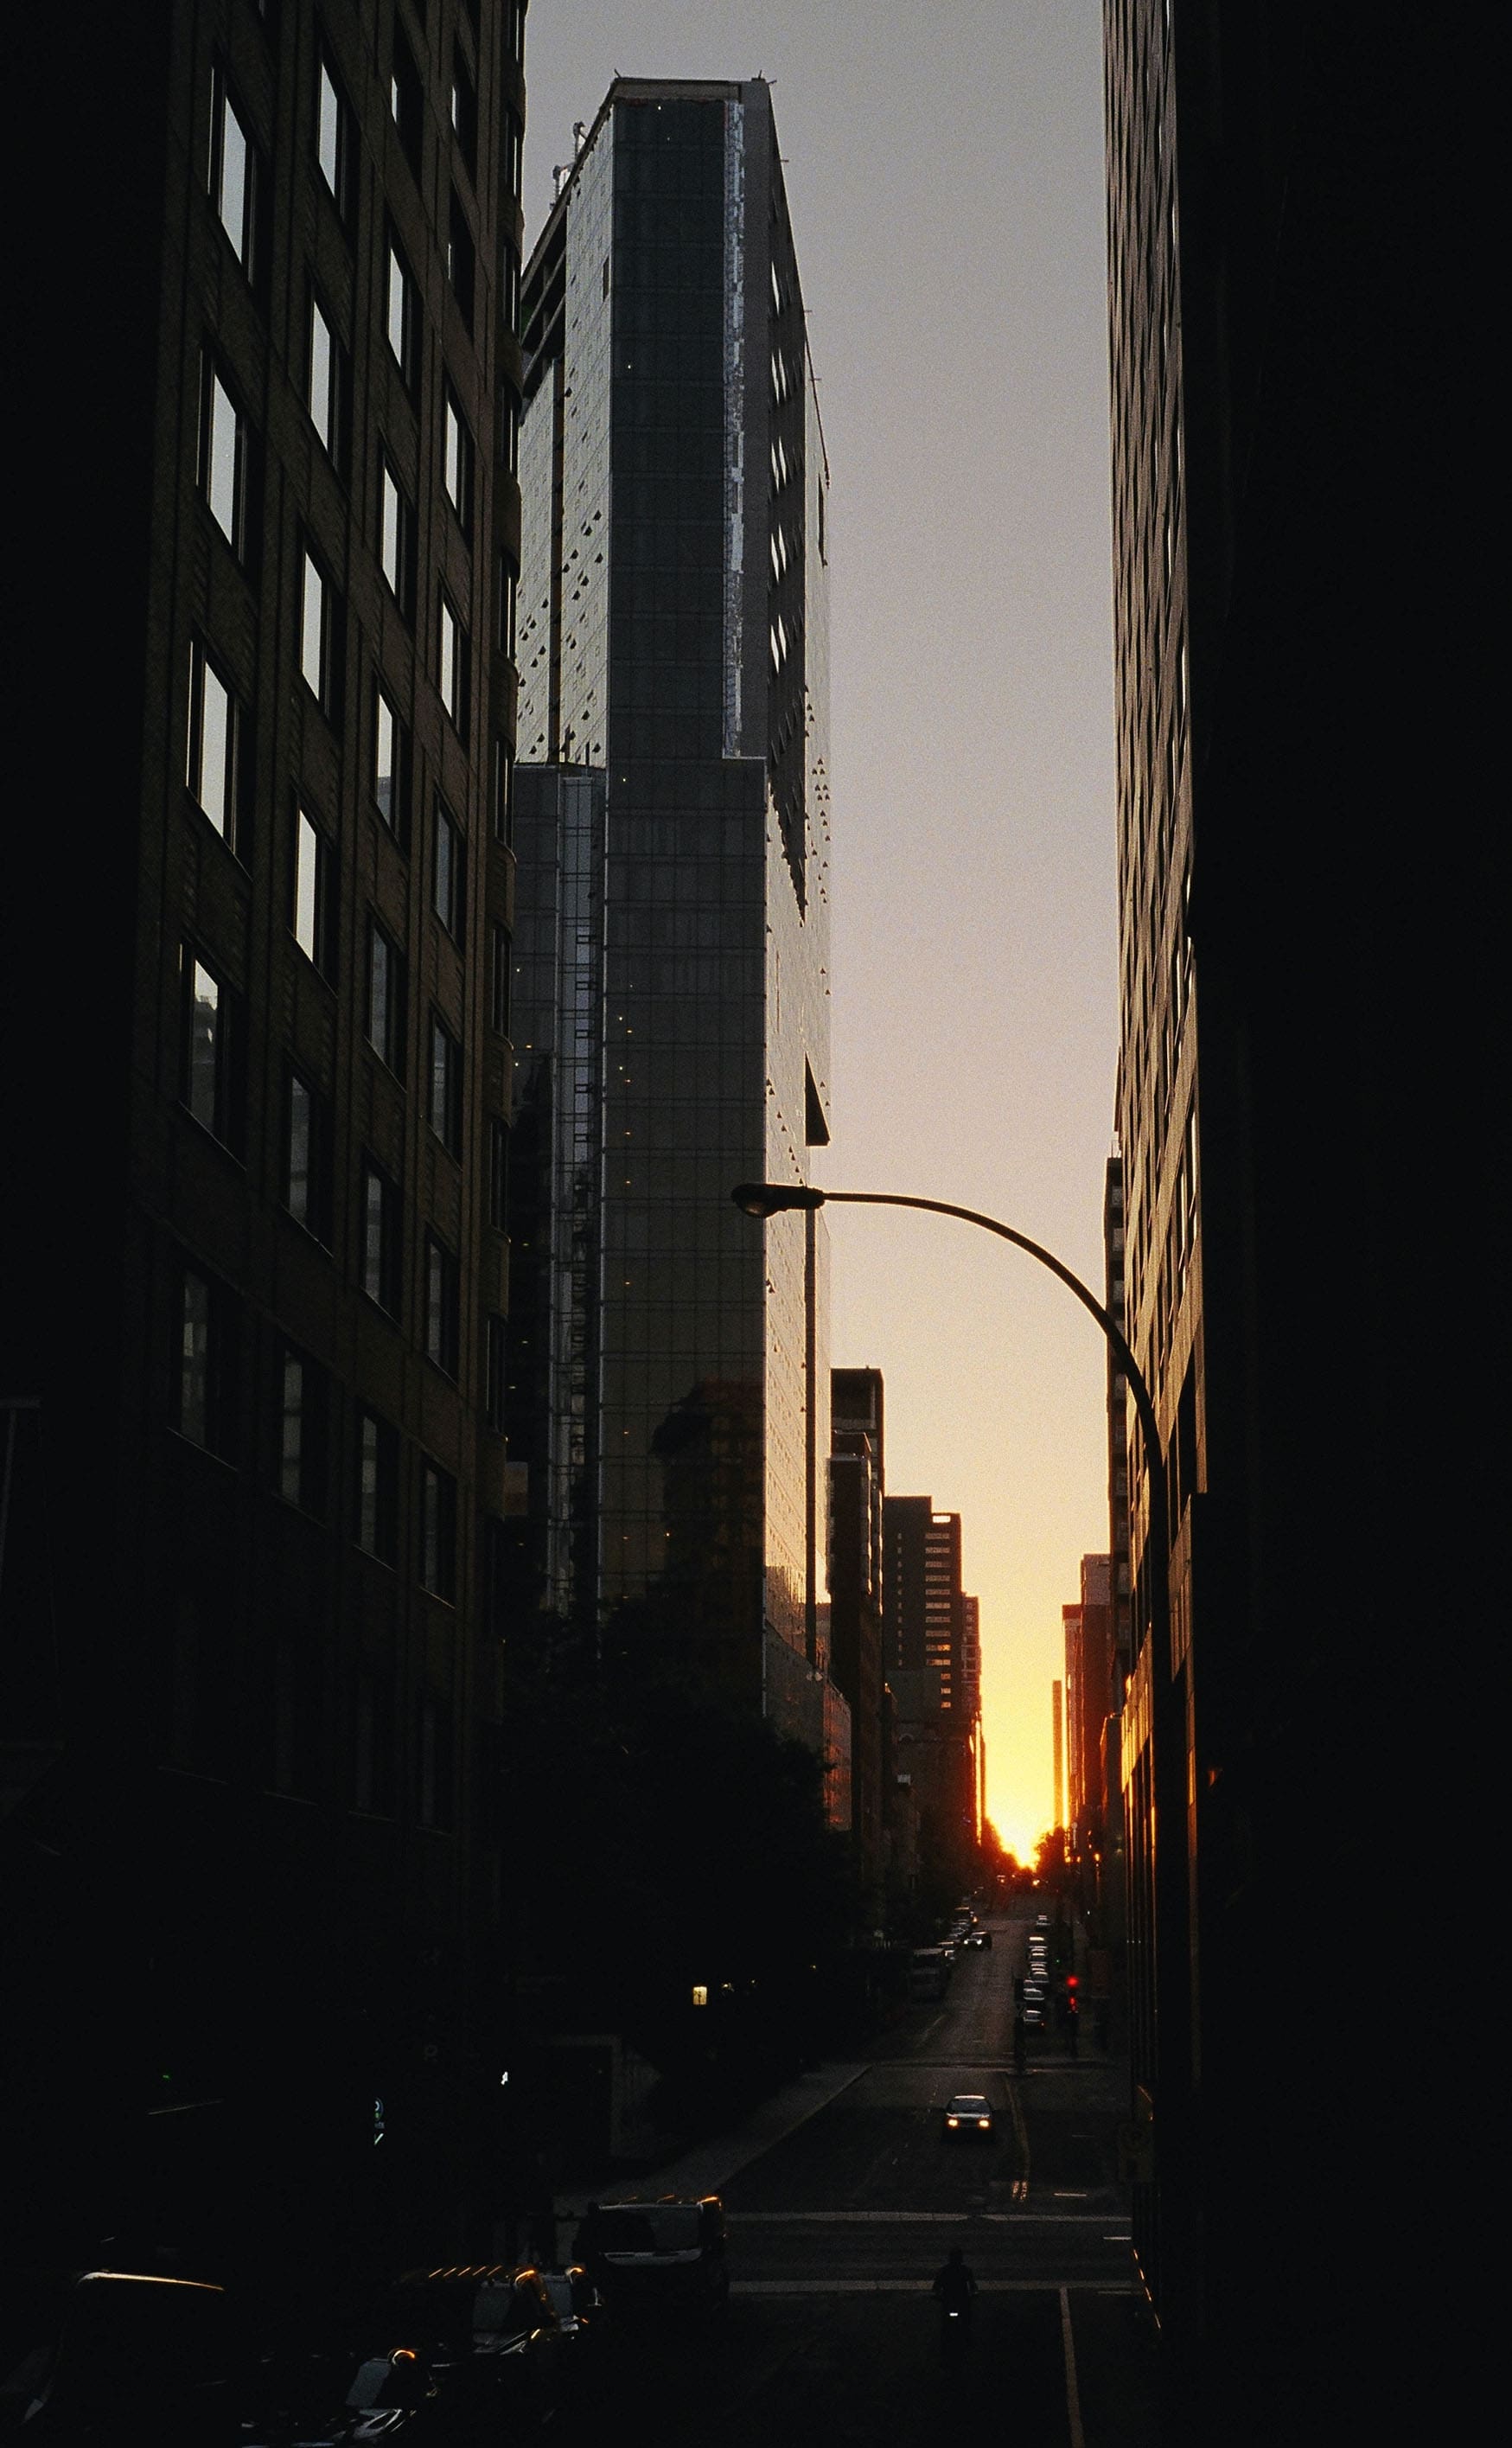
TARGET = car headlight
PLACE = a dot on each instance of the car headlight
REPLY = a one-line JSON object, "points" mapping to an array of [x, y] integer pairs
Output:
{"points": [[952, 2122], [985, 2123]]}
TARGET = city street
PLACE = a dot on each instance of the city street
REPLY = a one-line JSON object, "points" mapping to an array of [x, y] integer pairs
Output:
{"points": [[835, 2232]]}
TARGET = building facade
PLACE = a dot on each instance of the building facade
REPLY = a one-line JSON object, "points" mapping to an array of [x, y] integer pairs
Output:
{"points": [[937, 1700], [1288, 278], [671, 962], [276, 1694], [857, 1488], [1089, 1695]]}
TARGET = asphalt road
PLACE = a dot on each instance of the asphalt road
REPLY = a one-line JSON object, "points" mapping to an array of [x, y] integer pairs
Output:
{"points": [[835, 2232]]}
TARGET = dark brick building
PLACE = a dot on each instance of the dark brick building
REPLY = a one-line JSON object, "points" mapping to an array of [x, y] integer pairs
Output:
{"points": [[857, 1488], [257, 1082]]}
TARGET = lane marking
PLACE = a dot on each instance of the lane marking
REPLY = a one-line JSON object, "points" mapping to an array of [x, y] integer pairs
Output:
{"points": [[917, 2218], [1073, 2394], [920, 2286]]}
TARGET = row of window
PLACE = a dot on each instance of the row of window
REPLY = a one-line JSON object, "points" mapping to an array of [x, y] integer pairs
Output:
{"points": [[206, 1411]]}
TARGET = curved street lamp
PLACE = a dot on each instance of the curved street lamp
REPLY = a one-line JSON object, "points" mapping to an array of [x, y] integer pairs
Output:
{"points": [[764, 1199]]}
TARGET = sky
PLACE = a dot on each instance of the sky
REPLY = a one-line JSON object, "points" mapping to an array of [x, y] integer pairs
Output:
{"points": [[944, 177]]}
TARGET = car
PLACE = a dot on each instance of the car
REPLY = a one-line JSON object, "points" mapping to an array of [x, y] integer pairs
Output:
{"points": [[979, 1937], [490, 2334], [967, 2118], [132, 2356], [665, 2256]]}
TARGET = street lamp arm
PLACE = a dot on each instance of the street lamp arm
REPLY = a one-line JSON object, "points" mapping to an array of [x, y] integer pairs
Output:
{"points": [[1143, 1401]]}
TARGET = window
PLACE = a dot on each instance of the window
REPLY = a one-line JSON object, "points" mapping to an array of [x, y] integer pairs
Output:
{"points": [[307, 1157], [316, 632], [508, 286], [382, 1267], [396, 541], [391, 762], [501, 792], [457, 459], [461, 257], [463, 109], [372, 1746], [223, 458], [377, 1488], [513, 154], [446, 1085], [455, 672], [386, 996], [406, 100], [498, 1174], [203, 1389], [500, 952], [508, 429], [438, 1533], [506, 583], [233, 175], [213, 741], [441, 1306], [334, 139], [401, 316], [210, 1078], [313, 914], [433, 1765], [496, 1377], [326, 392], [302, 1433], [448, 883]]}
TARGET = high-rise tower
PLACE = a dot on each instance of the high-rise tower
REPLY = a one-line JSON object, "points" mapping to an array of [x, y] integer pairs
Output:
{"points": [[669, 1381]]}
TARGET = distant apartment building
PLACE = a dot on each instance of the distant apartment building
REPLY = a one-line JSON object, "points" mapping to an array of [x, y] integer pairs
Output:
{"points": [[257, 1298], [668, 1383], [1087, 1628], [936, 1698]]}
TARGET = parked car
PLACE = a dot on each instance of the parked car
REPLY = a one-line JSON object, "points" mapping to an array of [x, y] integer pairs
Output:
{"points": [[134, 2356], [967, 2118], [492, 2338], [666, 2255]]}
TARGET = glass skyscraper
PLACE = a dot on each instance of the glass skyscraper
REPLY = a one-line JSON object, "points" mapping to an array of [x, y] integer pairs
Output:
{"points": [[668, 1367]]}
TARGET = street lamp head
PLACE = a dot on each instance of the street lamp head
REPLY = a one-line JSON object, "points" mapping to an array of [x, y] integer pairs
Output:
{"points": [[773, 1198]]}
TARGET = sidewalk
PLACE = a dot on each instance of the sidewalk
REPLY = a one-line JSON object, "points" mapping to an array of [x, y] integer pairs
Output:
{"points": [[711, 2164]]}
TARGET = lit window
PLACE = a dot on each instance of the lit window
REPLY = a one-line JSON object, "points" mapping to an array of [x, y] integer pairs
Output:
{"points": [[208, 1081], [314, 629], [396, 541], [325, 394], [453, 672], [389, 757], [333, 139], [222, 458], [314, 901], [233, 175], [400, 314], [457, 459], [211, 773]]}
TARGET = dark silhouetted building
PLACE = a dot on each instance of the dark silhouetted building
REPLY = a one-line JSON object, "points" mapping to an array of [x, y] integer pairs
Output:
{"points": [[1089, 1670], [933, 1692], [255, 1269], [669, 1385], [857, 1486], [1297, 461]]}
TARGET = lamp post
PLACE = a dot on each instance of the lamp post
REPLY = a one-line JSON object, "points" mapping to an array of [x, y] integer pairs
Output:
{"points": [[1169, 1744], [764, 1199]]}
